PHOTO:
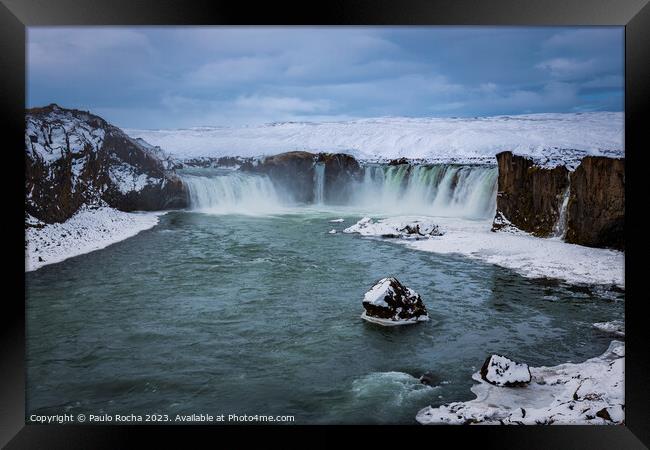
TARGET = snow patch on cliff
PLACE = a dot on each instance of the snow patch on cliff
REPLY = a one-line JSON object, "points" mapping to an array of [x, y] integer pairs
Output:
{"points": [[126, 178]]}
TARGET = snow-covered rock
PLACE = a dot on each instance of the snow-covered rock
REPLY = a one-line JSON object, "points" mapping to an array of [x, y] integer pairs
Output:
{"points": [[591, 392], [332, 231], [501, 371], [390, 303], [504, 225], [551, 139], [616, 327], [75, 158], [396, 228]]}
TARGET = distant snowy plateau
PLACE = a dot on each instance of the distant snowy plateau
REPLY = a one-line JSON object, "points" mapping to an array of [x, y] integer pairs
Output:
{"points": [[549, 139]]}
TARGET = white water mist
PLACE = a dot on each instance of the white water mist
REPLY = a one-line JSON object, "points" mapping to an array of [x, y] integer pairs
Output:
{"points": [[437, 190], [319, 183], [232, 193], [434, 190]]}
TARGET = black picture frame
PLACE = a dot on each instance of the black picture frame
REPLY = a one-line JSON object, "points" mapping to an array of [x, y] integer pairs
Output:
{"points": [[15, 15]]}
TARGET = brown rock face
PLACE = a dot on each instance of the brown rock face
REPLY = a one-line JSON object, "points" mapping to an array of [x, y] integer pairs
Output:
{"points": [[528, 196], [390, 300], [596, 211], [341, 171], [294, 173], [73, 157]]}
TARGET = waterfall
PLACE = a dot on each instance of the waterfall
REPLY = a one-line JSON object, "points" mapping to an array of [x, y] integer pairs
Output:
{"points": [[559, 230], [319, 183], [435, 190], [231, 193], [441, 189]]}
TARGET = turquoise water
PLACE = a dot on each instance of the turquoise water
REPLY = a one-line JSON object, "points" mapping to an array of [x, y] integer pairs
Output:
{"points": [[225, 314]]}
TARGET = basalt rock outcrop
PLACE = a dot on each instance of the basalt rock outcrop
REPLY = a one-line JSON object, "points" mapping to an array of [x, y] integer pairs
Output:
{"points": [[341, 170], [533, 199], [295, 173], [501, 371], [529, 196], [389, 302], [596, 209], [74, 158]]}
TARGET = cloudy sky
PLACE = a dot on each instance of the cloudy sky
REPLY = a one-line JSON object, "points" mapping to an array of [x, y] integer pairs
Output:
{"points": [[174, 77]]}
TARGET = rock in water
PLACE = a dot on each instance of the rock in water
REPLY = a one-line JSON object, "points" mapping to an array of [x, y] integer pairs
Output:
{"points": [[501, 371], [390, 303], [429, 379]]}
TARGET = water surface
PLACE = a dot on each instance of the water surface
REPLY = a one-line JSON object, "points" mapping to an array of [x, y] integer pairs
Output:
{"points": [[225, 314]]}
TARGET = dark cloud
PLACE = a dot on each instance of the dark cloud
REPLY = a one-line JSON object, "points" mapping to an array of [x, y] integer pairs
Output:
{"points": [[159, 77]]}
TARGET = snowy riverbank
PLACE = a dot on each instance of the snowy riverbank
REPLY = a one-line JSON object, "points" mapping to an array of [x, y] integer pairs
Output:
{"points": [[88, 230], [592, 392], [528, 255]]}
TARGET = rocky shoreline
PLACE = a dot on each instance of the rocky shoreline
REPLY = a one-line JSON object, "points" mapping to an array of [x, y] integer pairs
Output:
{"points": [[591, 392]]}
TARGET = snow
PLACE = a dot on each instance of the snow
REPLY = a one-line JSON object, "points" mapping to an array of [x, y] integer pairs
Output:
{"points": [[502, 371], [405, 229], [616, 327], [48, 140], [393, 322], [88, 230], [550, 139], [59, 133], [377, 293], [528, 255], [126, 178], [505, 226], [591, 392]]}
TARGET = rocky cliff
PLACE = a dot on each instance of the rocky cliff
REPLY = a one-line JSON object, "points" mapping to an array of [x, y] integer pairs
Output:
{"points": [[529, 196], [534, 199], [73, 158], [341, 170], [295, 173], [596, 209]]}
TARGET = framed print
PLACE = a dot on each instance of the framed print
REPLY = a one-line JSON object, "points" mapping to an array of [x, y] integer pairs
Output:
{"points": [[391, 219]]}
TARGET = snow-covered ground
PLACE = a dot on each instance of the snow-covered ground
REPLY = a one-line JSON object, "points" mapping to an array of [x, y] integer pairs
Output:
{"points": [[592, 392], [528, 255], [616, 327], [407, 229], [88, 230], [549, 138]]}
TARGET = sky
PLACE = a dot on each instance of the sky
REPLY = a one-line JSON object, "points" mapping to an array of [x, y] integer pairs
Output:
{"points": [[178, 77]]}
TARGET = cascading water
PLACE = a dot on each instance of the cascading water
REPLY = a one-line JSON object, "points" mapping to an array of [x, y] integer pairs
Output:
{"points": [[559, 230], [434, 190], [442, 190], [319, 183], [230, 192]]}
